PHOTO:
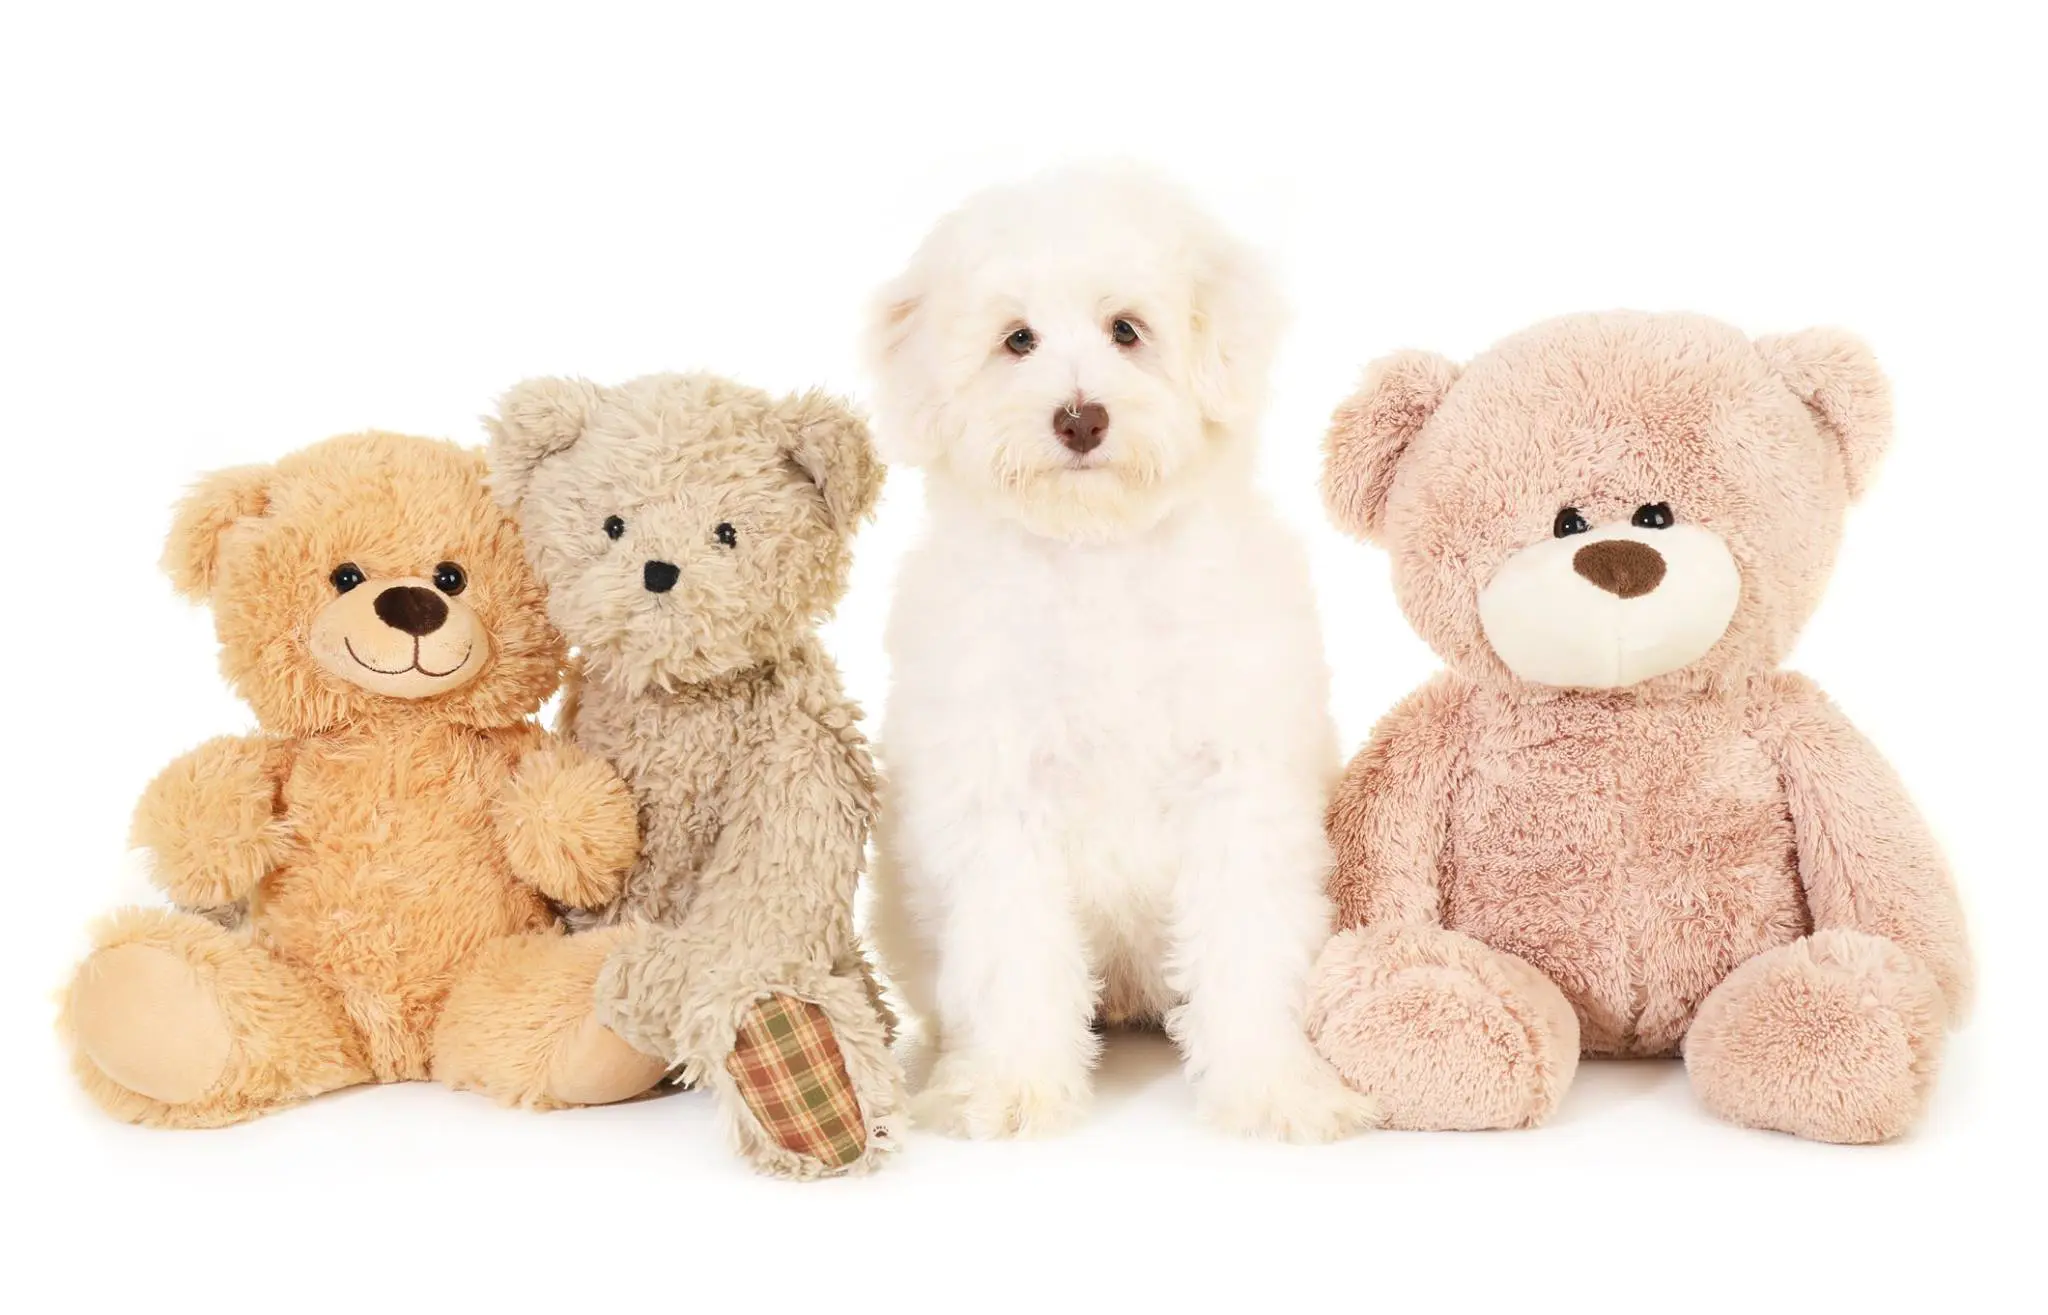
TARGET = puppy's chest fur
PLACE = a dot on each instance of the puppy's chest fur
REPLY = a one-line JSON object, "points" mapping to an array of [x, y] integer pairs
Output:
{"points": [[1635, 852], [1106, 687], [678, 751], [1096, 656]]}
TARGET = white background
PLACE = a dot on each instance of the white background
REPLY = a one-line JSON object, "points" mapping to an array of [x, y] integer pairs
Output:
{"points": [[228, 235]]}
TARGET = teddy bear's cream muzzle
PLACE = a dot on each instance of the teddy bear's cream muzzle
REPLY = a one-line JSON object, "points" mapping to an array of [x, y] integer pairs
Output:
{"points": [[1613, 607], [400, 638]]}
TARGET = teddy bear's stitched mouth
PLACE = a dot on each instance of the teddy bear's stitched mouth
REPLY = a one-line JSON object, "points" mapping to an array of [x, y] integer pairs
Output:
{"points": [[462, 662]]}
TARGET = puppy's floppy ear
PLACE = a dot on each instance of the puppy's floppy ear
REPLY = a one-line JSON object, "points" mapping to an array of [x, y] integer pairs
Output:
{"points": [[896, 320], [828, 441], [1372, 429], [1838, 378], [1235, 318], [893, 317], [215, 505], [536, 419]]}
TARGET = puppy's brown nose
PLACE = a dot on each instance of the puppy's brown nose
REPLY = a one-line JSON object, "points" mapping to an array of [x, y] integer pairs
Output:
{"points": [[1081, 427], [412, 609], [1622, 567]]}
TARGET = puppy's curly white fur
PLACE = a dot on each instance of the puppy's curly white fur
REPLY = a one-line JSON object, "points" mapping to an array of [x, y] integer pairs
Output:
{"points": [[1107, 742]]}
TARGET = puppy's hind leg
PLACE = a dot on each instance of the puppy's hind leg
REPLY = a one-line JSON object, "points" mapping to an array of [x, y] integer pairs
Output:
{"points": [[1012, 989], [1250, 914]]}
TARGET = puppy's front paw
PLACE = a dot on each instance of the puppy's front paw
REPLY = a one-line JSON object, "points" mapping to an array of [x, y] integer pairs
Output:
{"points": [[1300, 1100], [973, 1096]]}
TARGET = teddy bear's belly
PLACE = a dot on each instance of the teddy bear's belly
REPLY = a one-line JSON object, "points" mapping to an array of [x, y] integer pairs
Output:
{"points": [[393, 891], [1636, 867]]}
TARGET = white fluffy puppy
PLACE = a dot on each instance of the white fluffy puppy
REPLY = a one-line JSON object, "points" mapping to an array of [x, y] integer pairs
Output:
{"points": [[1107, 742]]}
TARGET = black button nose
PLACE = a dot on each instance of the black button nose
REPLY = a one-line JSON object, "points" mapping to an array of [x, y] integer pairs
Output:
{"points": [[660, 577], [1081, 427], [412, 609]]}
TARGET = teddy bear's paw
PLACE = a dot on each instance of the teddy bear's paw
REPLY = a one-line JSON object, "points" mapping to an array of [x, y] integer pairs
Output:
{"points": [[209, 823], [1835, 1037], [971, 1095], [568, 825], [1297, 1099], [1446, 1032]]}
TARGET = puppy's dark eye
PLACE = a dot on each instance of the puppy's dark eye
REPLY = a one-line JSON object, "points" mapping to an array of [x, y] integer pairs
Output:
{"points": [[1568, 523], [727, 535], [1124, 333], [613, 527], [1021, 341], [449, 579], [346, 577], [1653, 516]]}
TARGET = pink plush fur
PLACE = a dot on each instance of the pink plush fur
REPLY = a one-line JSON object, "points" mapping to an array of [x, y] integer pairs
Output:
{"points": [[1709, 861]]}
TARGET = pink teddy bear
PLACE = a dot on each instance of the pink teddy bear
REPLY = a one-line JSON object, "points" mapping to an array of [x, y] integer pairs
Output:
{"points": [[1615, 826]]}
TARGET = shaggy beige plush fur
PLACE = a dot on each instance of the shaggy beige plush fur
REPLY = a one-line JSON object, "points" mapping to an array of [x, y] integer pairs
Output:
{"points": [[692, 533], [366, 882], [1615, 826]]}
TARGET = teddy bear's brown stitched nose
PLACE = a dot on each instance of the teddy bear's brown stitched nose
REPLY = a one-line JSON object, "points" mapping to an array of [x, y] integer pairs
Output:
{"points": [[1622, 567], [1081, 427], [412, 609]]}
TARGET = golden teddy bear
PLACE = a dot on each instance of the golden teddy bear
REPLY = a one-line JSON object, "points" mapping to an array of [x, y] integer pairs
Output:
{"points": [[368, 886]]}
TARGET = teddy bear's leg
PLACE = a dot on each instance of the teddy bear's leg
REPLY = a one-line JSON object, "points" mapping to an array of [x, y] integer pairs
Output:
{"points": [[1446, 1032], [809, 1086], [796, 1055], [521, 1026], [1835, 1037], [178, 1022]]}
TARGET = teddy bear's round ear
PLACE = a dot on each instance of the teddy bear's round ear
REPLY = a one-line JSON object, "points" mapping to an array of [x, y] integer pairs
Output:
{"points": [[215, 505], [536, 419], [828, 441], [1372, 429], [1838, 378]]}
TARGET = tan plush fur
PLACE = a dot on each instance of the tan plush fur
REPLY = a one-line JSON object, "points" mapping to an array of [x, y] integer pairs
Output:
{"points": [[1708, 860], [713, 698], [367, 858]]}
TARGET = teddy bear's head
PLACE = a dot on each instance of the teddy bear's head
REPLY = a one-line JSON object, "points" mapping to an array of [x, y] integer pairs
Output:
{"points": [[686, 526], [366, 576], [1624, 500]]}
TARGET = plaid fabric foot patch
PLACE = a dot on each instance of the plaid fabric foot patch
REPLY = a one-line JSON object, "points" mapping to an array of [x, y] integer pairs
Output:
{"points": [[790, 1071]]}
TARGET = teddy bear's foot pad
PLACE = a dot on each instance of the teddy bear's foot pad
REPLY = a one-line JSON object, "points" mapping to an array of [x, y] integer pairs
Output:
{"points": [[1834, 1037], [596, 1067], [1445, 1032], [146, 1020], [789, 1069]]}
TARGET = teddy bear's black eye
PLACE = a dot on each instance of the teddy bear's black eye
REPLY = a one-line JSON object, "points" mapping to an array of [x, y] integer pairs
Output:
{"points": [[1124, 333], [1021, 341], [613, 527], [1653, 516], [727, 535], [346, 577], [1569, 522], [449, 579]]}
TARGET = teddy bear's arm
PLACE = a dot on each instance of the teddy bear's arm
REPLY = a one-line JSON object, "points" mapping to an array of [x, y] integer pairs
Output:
{"points": [[1866, 858], [568, 824], [780, 882], [212, 822], [1389, 816]]}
